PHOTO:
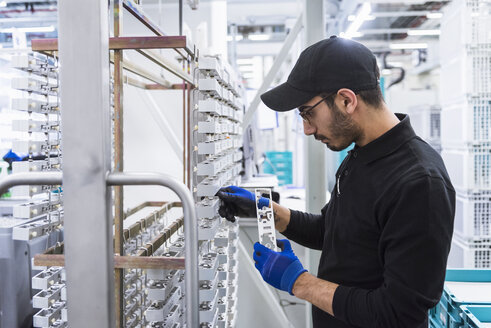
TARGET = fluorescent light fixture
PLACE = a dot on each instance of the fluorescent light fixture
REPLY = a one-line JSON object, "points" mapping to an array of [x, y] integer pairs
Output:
{"points": [[402, 46], [3, 3], [362, 16], [237, 38], [259, 37], [29, 29], [434, 15], [423, 32]]}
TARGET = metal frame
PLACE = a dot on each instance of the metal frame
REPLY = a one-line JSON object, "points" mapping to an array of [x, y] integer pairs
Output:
{"points": [[280, 58], [87, 260]]}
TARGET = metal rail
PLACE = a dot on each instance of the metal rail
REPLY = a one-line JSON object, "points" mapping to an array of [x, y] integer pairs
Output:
{"points": [[126, 178], [190, 231]]}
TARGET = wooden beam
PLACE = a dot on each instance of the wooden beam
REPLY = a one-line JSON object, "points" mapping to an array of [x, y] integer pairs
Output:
{"points": [[120, 262], [122, 43]]}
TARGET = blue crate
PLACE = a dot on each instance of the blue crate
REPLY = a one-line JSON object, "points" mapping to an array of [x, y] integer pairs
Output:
{"points": [[279, 164], [448, 312], [278, 155], [433, 322], [475, 316]]}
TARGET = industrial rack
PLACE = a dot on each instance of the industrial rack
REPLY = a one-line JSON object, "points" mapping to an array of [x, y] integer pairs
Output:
{"points": [[465, 119], [170, 270]]}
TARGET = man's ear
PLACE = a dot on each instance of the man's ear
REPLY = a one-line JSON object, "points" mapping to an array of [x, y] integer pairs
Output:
{"points": [[348, 100]]}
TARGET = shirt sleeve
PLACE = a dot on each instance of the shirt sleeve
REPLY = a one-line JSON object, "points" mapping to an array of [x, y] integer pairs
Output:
{"points": [[307, 229], [417, 226]]}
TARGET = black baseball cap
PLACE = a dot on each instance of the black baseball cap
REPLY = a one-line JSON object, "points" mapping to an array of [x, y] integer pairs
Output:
{"points": [[325, 66]]}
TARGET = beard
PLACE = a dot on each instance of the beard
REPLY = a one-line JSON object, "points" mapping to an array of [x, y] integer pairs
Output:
{"points": [[343, 130]]}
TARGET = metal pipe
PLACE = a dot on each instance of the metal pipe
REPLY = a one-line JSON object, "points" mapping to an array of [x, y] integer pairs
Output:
{"points": [[190, 230], [268, 79], [30, 178], [166, 64]]}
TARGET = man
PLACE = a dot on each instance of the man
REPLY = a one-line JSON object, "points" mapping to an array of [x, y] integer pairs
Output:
{"points": [[386, 232]]}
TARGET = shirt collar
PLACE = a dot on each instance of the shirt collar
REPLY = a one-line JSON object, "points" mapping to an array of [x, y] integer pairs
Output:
{"points": [[387, 143]]}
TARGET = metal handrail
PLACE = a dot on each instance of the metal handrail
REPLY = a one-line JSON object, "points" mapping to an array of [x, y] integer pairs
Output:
{"points": [[133, 178]]}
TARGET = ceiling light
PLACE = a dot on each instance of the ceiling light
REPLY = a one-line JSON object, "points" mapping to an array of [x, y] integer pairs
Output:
{"points": [[408, 46], [259, 37], [423, 32], [29, 29], [434, 15], [3, 3], [362, 16]]}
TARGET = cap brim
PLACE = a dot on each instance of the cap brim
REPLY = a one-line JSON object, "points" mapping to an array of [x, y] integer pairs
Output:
{"points": [[285, 97]]}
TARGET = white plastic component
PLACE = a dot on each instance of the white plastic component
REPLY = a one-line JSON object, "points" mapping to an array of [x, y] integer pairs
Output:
{"points": [[28, 146], [208, 288], [39, 104], [33, 229], [265, 221], [210, 86], [30, 125], [33, 64], [211, 126], [207, 228], [29, 191], [208, 266], [221, 238], [207, 208], [46, 298], [29, 166], [160, 290], [45, 317], [46, 278], [32, 210], [210, 106], [211, 148], [208, 187], [158, 311], [34, 83], [210, 65], [208, 310]]}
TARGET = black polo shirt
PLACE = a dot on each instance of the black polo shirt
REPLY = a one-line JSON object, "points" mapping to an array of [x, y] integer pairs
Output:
{"points": [[385, 233]]}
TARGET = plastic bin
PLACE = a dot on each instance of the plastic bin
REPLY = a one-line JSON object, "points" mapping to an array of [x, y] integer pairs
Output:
{"points": [[468, 73], [465, 23], [466, 121], [473, 215], [448, 313], [476, 316], [470, 254], [280, 164], [469, 167]]}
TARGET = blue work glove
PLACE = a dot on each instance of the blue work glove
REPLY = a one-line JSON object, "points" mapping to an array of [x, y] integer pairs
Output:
{"points": [[236, 201], [279, 269]]}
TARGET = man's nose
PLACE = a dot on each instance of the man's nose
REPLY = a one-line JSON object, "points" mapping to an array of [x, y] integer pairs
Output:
{"points": [[308, 129]]}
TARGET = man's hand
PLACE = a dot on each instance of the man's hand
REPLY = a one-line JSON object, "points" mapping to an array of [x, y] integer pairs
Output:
{"points": [[279, 269], [239, 202]]}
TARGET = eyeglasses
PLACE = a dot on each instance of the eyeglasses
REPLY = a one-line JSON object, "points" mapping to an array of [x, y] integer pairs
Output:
{"points": [[305, 112]]}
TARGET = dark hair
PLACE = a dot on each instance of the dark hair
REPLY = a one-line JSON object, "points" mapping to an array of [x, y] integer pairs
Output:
{"points": [[371, 97]]}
